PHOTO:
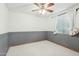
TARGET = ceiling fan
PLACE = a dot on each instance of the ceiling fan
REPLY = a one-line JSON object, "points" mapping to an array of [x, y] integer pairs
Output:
{"points": [[44, 7]]}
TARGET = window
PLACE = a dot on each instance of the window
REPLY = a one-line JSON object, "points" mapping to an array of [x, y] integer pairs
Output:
{"points": [[64, 23]]}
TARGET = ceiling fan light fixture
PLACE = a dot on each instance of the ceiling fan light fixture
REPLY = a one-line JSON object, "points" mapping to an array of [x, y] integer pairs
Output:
{"points": [[44, 7]]}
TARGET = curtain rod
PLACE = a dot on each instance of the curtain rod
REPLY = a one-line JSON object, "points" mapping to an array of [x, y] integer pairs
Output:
{"points": [[66, 10]]}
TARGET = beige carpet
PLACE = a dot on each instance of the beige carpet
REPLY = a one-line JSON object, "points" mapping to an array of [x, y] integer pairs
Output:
{"points": [[41, 48]]}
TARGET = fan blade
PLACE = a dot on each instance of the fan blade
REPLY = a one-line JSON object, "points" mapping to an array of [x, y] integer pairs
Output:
{"points": [[49, 10], [35, 10], [50, 4], [37, 4]]}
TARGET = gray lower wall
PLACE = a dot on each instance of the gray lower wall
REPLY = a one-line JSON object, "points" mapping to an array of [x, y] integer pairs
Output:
{"points": [[64, 40], [3, 44], [16, 38]]}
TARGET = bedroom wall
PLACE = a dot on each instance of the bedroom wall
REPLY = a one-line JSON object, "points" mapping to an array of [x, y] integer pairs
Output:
{"points": [[3, 18], [24, 28], [19, 22], [63, 39], [3, 29]]}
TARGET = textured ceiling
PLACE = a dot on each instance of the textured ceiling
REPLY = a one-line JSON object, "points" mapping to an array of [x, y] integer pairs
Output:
{"points": [[28, 7]]}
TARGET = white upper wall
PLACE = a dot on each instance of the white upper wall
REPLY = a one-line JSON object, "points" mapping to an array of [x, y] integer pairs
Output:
{"points": [[26, 22], [18, 21], [77, 20], [3, 18]]}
